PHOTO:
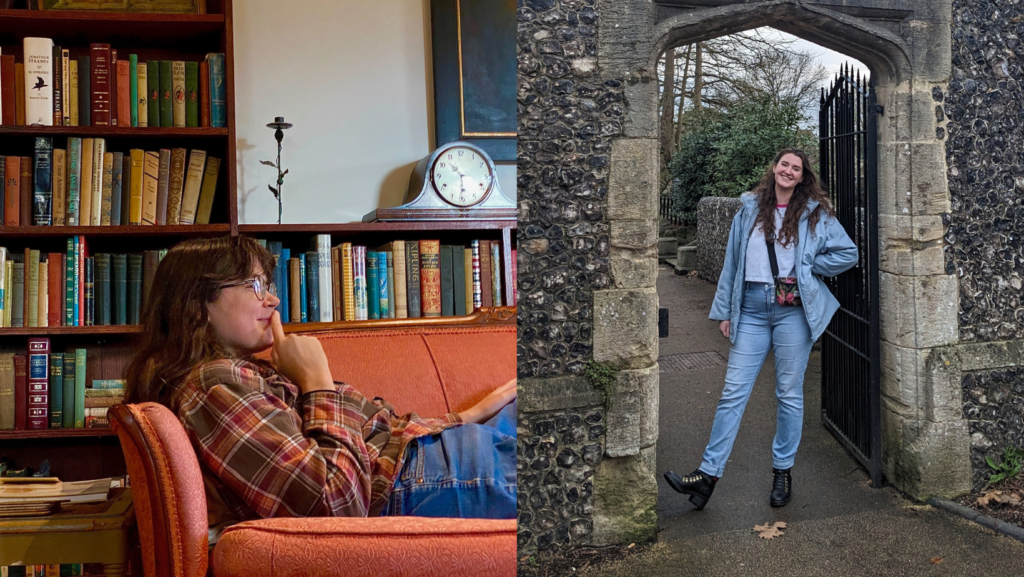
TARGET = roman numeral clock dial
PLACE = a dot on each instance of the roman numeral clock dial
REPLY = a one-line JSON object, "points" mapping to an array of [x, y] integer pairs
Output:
{"points": [[455, 182]]}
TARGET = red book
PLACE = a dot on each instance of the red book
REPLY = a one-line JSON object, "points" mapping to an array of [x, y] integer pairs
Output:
{"points": [[12, 191], [55, 290], [100, 83], [7, 89], [20, 392], [204, 94], [430, 278], [26, 191], [124, 93], [39, 383], [113, 87]]}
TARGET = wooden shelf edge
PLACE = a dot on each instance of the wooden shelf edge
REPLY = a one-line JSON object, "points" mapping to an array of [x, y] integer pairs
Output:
{"points": [[173, 230], [114, 131], [94, 16], [363, 227], [55, 433]]}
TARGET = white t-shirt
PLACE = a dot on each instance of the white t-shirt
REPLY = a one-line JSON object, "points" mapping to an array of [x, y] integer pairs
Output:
{"points": [[758, 267]]}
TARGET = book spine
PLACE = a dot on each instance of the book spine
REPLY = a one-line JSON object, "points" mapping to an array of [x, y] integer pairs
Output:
{"points": [[326, 297], [430, 278], [133, 88], [218, 103], [12, 191], [192, 94], [20, 392], [336, 287], [208, 190], [400, 306], [124, 93], [32, 290], [55, 290], [107, 201], [42, 212], [119, 288], [90, 291], [19, 93], [85, 97], [485, 273], [38, 383], [204, 94], [153, 93], [44, 293], [313, 286], [137, 160], [74, 179], [142, 87], [65, 84], [347, 282], [193, 185], [459, 280], [68, 390], [101, 84], [294, 290], [26, 191], [134, 287], [17, 294], [372, 283], [177, 182], [8, 107], [116, 188], [303, 297], [113, 87], [73, 92], [7, 403], [99, 148], [166, 98], [362, 307], [387, 293], [56, 390], [178, 93], [150, 184], [60, 171], [37, 59], [69, 279], [447, 286], [85, 182], [77, 282], [58, 87], [477, 290], [80, 360], [496, 292], [102, 289], [284, 289], [150, 262], [163, 185], [412, 271]]}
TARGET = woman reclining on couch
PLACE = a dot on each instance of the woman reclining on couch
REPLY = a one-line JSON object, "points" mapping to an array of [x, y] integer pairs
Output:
{"points": [[283, 439]]}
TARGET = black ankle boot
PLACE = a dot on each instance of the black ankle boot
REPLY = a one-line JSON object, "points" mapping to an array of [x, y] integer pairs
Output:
{"points": [[698, 485], [782, 487]]}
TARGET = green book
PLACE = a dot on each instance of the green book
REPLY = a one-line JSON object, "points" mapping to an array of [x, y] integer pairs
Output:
{"points": [[191, 94], [56, 390], [70, 410], [153, 88], [166, 98], [133, 62], [459, 279], [372, 286], [79, 388], [119, 288], [102, 284], [134, 288], [447, 292]]}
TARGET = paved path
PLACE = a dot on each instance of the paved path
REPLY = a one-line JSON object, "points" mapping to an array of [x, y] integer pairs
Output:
{"points": [[838, 526]]}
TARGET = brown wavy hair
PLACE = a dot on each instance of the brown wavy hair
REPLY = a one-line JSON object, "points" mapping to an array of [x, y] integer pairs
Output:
{"points": [[176, 335], [807, 189]]}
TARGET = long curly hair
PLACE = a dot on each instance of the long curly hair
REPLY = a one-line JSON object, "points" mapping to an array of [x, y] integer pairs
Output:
{"points": [[176, 334], [807, 189]]}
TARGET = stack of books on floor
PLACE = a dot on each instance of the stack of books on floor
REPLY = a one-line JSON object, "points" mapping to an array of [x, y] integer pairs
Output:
{"points": [[87, 184], [53, 87], [400, 279], [47, 390]]}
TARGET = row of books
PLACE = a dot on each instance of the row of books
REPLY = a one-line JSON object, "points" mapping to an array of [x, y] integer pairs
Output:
{"points": [[74, 289], [52, 570], [47, 390], [400, 279], [86, 184], [53, 88]]}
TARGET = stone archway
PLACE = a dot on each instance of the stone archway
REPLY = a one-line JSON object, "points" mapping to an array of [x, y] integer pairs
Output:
{"points": [[588, 189]]}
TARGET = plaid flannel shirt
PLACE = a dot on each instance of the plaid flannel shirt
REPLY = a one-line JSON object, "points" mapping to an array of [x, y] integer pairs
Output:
{"points": [[268, 451]]}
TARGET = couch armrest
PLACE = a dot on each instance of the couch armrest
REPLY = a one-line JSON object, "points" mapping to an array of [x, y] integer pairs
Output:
{"points": [[356, 547]]}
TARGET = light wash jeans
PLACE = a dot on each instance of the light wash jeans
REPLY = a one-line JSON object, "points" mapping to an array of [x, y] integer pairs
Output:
{"points": [[763, 325], [467, 471]]}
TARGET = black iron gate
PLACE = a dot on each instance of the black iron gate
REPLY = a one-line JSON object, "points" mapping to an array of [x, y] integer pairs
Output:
{"points": [[850, 383]]}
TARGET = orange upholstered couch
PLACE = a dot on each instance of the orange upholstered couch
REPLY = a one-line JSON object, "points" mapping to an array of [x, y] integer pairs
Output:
{"points": [[427, 370]]}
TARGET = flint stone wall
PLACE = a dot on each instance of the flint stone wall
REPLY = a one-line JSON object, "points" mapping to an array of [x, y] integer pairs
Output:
{"points": [[714, 220], [994, 409]]}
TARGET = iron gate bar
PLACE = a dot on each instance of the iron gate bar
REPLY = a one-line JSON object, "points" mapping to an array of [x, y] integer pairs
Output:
{"points": [[848, 153]]}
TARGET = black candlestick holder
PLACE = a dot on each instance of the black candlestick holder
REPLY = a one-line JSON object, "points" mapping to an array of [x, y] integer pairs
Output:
{"points": [[279, 126]]}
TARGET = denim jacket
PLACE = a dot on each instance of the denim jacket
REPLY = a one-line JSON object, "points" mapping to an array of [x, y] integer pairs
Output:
{"points": [[827, 252]]}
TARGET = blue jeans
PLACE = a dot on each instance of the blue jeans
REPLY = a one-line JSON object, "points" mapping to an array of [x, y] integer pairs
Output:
{"points": [[763, 325], [467, 471]]}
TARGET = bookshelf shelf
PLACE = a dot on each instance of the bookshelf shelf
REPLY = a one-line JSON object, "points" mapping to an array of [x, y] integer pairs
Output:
{"points": [[114, 131], [188, 230], [56, 434], [108, 330], [151, 27], [357, 228]]}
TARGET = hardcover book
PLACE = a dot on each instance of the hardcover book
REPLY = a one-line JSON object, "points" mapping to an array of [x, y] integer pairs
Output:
{"points": [[218, 102], [459, 280], [133, 89], [134, 287], [137, 160], [176, 184], [119, 288], [477, 290], [294, 290], [8, 107], [38, 383], [150, 183], [102, 263], [106, 202], [65, 87], [58, 87], [85, 182], [496, 291], [7, 402], [99, 148], [372, 282], [80, 359], [387, 281], [101, 84], [42, 214], [192, 94], [116, 188], [193, 184], [325, 288], [85, 90], [153, 93], [166, 97], [401, 306], [485, 273], [447, 286], [430, 278], [412, 275], [37, 59], [56, 390], [74, 117], [178, 93], [12, 191], [25, 218], [163, 186], [124, 94], [208, 189], [68, 390], [313, 286], [348, 282], [20, 392], [60, 171], [142, 93], [303, 295]]}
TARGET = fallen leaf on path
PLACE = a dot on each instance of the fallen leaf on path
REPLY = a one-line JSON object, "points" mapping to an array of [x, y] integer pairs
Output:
{"points": [[770, 532], [936, 560], [999, 497]]}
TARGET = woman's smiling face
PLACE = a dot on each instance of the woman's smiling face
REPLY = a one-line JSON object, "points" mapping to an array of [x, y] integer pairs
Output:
{"points": [[789, 172], [240, 320]]}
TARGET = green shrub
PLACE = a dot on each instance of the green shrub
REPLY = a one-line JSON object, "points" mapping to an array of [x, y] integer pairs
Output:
{"points": [[1010, 465], [602, 377]]}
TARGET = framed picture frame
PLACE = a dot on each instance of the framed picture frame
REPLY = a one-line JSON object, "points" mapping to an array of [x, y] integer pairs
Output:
{"points": [[474, 46], [138, 6]]}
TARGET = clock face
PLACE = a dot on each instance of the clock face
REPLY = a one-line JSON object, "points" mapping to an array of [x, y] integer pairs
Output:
{"points": [[461, 176]]}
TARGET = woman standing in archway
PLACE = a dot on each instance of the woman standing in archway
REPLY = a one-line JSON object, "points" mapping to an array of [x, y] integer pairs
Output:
{"points": [[770, 298]]}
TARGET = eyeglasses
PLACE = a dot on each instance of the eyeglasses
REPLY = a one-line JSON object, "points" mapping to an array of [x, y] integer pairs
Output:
{"points": [[260, 287]]}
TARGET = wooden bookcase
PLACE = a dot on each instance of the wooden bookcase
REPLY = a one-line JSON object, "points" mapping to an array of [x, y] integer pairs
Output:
{"points": [[77, 454]]}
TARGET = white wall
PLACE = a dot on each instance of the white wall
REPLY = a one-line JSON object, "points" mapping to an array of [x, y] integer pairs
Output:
{"points": [[355, 79]]}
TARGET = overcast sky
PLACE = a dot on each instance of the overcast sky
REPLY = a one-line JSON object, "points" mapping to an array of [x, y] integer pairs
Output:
{"points": [[830, 59]]}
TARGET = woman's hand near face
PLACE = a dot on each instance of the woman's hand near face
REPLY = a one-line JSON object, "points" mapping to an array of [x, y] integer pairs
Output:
{"points": [[491, 404], [301, 359]]}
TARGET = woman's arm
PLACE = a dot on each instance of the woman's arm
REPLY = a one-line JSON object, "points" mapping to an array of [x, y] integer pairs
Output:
{"points": [[491, 404], [838, 253], [721, 307]]}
